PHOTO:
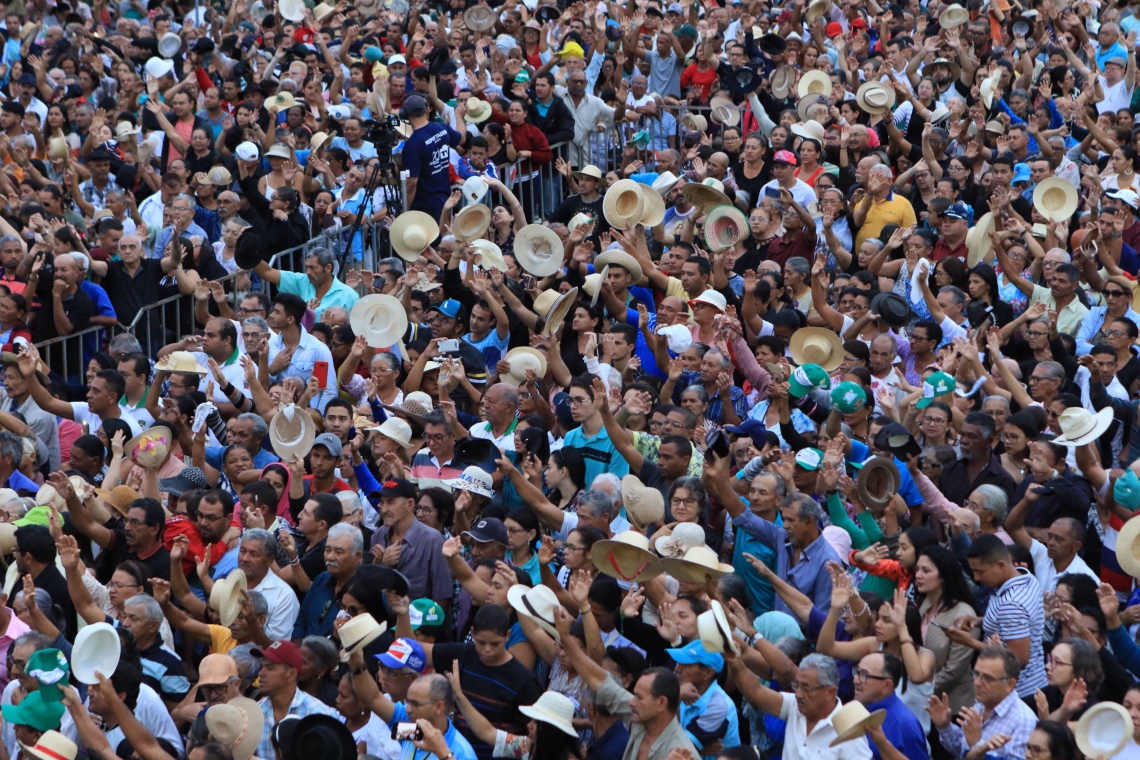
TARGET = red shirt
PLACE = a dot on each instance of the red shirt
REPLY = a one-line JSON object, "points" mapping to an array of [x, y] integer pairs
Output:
{"points": [[942, 251], [693, 76]]}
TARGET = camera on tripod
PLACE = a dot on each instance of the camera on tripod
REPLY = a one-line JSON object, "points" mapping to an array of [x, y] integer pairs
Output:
{"points": [[384, 135]]}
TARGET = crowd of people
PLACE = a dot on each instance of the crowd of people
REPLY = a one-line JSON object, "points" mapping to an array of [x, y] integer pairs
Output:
{"points": [[655, 380]]}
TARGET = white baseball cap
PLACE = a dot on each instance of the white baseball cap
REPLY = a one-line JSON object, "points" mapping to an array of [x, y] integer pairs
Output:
{"points": [[247, 151], [397, 58]]}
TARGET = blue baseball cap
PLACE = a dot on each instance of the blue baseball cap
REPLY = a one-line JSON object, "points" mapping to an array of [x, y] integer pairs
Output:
{"points": [[404, 653], [957, 211], [754, 429], [1126, 490], [449, 308], [694, 653], [1021, 174]]}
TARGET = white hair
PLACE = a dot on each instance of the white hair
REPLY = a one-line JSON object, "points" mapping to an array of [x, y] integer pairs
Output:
{"points": [[881, 169]]}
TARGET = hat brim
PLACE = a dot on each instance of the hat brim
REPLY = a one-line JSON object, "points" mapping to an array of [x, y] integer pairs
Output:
{"points": [[471, 222], [1050, 187], [623, 260], [225, 596], [530, 238], [874, 720], [288, 452], [559, 310], [96, 651], [1100, 714], [1103, 419], [862, 481], [369, 637], [687, 571], [625, 562], [799, 337], [365, 312]]}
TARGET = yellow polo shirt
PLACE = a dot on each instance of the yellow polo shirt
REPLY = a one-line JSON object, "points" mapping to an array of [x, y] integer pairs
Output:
{"points": [[894, 209], [1069, 318]]}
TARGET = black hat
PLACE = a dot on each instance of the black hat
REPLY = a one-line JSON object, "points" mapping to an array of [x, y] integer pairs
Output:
{"points": [[488, 529], [398, 488], [891, 308], [247, 250], [653, 10], [435, 60], [977, 312], [203, 45], [414, 105], [320, 737], [98, 155], [188, 479], [744, 81], [382, 578], [896, 439], [546, 14], [772, 44], [474, 451], [146, 43]]}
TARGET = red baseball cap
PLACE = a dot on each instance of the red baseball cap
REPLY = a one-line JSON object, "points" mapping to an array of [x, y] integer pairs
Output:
{"points": [[784, 16], [859, 23], [282, 653], [785, 157], [834, 29]]}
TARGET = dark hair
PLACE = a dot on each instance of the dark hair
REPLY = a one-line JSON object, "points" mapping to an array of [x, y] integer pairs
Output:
{"points": [[933, 329], [443, 502], [989, 549], [36, 540], [893, 668], [112, 426], [90, 445], [664, 684], [858, 349], [955, 587], [293, 305], [340, 402], [921, 538], [1025, 422], [219, 496], [328, 508], [114, 380], [491, 618], [1062, 744], [261, 492]]}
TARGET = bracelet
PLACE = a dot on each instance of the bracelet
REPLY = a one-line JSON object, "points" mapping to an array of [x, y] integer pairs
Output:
{"points": [[360, 671], [906, 641]]}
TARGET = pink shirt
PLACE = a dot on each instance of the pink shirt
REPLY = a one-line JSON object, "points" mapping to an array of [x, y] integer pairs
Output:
{"points": [[16, 629]]}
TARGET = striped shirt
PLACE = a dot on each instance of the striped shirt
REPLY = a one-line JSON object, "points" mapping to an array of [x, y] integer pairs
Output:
{"points": [[1017, 611]]}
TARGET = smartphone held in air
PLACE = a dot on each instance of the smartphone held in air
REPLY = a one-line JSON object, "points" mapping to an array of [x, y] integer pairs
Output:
{"points": [[407, 732], [449, 346], [321, 372], [717, 445], [772, 192]]}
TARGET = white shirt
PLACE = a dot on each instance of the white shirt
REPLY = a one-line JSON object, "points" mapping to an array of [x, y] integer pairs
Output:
{"points": [[283, 606], [377, 738], [801, 192], [1116, 97], [151, 211], [799, 745], [81, 413], [232, 372], [154, 716], [1046, 572]]}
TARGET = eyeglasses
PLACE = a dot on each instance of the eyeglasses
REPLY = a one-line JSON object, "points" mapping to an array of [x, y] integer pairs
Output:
{"points": [[934, 420], [435, 437], [1035, 750], [1051, 660], [675, 502], [1038, 379], [578, 400], [1114, 294], [986, 677], [861, 675], [516, 531], [571, 548], [211, 518], [1114, 333], [421, 510], [1036, 333]]}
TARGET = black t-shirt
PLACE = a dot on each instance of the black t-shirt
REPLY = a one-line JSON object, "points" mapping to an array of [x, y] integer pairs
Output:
{"points": [[313, 559], [130, 294], [52, 581], [497, 692], [755, 185], [157, 563], [575, 205]]}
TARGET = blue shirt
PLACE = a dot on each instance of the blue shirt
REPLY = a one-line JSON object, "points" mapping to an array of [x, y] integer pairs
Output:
{"points": [[710, 719], [599, 453], [714, 412], [610, 745], [365, 151], [456, 742], [163, 238], [309, 352], [809, 575], [318, 611], [902, 729], [303, 705], [427, 157], [907, 487], [1092, 324], [214, 457], [760, 591]]}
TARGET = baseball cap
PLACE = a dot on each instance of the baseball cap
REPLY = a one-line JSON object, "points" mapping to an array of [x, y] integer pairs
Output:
{"points": [[806, 377], [1021, 173], [848, 397], [51, 669], [957, 210], [216, 669], [1114, 59], [397, 58], [1131, 197], [404, 653], [413, 105], [1126, 491], [449, 308], [687, 30], [694, 653], [895, 438], [834, 29], [330, 442], [785, 157], [397, 488], [27, 78], [785, 15], [859, 23], [487, 530], [809, 459], [754, 429], [247, 151], [676, 8], [34, 711], [936, 385], [281, 653], [425, 613]]}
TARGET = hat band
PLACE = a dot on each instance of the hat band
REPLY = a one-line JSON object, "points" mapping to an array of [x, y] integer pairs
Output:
{"points": [[534, 613], [50, 752], [625, 577], [1084, 429], [244, 728]]}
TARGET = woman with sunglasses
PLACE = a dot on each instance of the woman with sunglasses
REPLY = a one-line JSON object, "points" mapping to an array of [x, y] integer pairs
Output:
{"points": [[1117, 292], [1121, 335]]}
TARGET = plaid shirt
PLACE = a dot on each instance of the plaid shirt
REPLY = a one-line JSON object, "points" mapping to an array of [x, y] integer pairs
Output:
{"points": [[95, 196], [1011, 716], [302, 705], [714, 412]]}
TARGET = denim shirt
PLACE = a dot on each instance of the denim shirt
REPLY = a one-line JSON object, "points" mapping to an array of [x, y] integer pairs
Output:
{"points": [[809, 575]]}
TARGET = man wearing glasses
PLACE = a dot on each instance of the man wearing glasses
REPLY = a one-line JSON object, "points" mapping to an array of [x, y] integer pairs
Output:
{"points": [[875, 680]]}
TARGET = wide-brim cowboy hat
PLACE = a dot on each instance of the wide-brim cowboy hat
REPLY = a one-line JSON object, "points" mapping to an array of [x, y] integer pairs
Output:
{"points": [[954, 15], [149, 448], [705, 197], [538, 603], [555, 709], [772, 44], [381, 319], [694, 122], [490, 255], [225, 596], [478, 110], [171, 43], [120, 497], [359, 632], [1128, 547], [58, 148], [411, 233], [47, 496], [816, 9], [626, 557], [623, 260], [623, 204], [782, 80], [644, 505], [179, 361], [881, 474], [322, 10], [652, 206], [715, 631], [699, 566], [852, 721], [1080, 426], [803, 107], [817, 345], [559, 310], [987, 87], [520, 360], [320, 737], [52, 745], [238, 724], [96, 650], [725, 226], [1104, 730], [978, 241], [538, 250], [592, 284], [811, 129], [955, 69], [292, 10], [471, 222], [291, 432], [874, 97], [815, 82], [1055, 199], [479, 18]]}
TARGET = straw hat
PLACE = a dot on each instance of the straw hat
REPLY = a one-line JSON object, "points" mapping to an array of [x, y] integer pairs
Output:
{"points": [[491, 255], [652, 206], [58, 148], [284, 100], [589, 170], [804, 106], [225, 596], [7, 539], [52, 745], [1055, 199], [521, 359], [219, 176], [47, 496], [592, 284], [817, 345], [395, 429], [149, 448], [724, 112], [1104, 730], [475, 188], [954, 15], [479, 18], [575, 222], [715, 631], [411, 233], [699, 566], [293, 10], [478, 110], [626, 557], [695, 122], [1128, 547], [815, 82], [623, 260], [852, 721], [811, 129], [978, 242], [1080, 426], [725, 226], [119, 497], [664, 183], [987, 87], [292, 432], [538, 250], [545, 300], [322, 10], [816, 9], [169, 45], [553, 708], [96, 650], [471, 222], [125, 130], [318, 141], [623, 204], [955, 70], [179, 361], [683, 537], [358, 633], [238, 724], [644, 505], [416, 404], [559, 310], [878, 479], [873, 97], [706, 195], [782, 80], [381, 319], [538, 603]]}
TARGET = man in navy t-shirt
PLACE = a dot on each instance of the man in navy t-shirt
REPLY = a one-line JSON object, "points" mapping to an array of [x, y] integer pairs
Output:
{"points": [[427, 156]]}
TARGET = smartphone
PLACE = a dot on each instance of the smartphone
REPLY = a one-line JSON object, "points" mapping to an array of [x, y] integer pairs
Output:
{"points": [[528, 282], [448, 346], [772, 192], [717, 445], [405, 732], [321, 372]]}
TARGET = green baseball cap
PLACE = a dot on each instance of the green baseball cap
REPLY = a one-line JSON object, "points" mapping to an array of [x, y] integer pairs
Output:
{"points": [[809, 459], [848, 397], [806, 377], [425, 613], [50, 668], [36, 712], [934, 386]]}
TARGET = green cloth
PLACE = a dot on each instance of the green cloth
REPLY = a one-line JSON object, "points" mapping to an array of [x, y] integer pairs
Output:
{"points": [[49, 667], [861, 538]]}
